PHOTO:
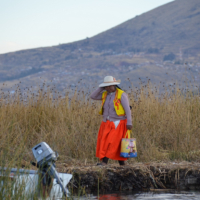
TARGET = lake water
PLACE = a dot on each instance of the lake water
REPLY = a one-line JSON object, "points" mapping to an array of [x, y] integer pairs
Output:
{"points": [[175, 195]]}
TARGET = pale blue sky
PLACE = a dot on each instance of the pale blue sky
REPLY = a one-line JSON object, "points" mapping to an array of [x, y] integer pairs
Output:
{"points": [[39, 23]]}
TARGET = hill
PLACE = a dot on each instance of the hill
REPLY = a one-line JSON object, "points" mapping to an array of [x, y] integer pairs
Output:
{"points": [[133, 49], [166, 28]]}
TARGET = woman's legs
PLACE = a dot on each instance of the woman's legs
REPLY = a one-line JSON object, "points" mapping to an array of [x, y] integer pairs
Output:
{"points": [[121, 162], [105, 160]]}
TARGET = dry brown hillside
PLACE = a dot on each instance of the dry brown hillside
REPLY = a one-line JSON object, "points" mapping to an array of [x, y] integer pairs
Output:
{"points": [[169, 27], [134, 49]]}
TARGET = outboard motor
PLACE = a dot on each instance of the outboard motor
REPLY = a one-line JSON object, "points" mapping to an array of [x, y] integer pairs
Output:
{"points": [[46, 159]]}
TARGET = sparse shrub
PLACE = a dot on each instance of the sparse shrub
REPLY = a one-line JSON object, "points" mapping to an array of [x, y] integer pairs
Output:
{"points": [[153, 50], [68, 57], [135, 50], [169, 57]]}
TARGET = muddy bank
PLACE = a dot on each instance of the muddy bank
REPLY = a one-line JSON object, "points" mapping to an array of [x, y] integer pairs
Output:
{"points": [[139, 176]]}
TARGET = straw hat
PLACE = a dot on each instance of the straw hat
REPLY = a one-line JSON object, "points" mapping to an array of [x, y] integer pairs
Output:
{"points": [[109, 80]]}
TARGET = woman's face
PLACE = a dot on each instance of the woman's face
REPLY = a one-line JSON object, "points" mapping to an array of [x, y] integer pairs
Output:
{"points": [[110, 88]]}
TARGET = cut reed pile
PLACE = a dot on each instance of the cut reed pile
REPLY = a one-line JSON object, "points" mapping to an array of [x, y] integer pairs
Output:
{"points": [[166, 126]]}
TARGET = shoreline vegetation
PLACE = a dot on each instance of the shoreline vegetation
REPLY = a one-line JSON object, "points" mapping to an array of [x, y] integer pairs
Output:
{"points": [[166, 125], [151, 176]]}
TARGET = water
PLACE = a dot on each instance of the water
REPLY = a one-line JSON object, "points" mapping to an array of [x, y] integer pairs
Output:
{"points": [[175, 195]]}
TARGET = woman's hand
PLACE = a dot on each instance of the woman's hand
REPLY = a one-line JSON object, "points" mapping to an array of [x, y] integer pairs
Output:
{"points": [[129, 127]]}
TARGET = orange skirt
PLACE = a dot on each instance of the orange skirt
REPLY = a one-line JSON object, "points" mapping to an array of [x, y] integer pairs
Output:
{"points": [[109, 140]]}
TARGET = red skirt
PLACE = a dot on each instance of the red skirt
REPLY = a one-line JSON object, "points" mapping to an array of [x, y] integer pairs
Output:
{"points": [[109, 140]]}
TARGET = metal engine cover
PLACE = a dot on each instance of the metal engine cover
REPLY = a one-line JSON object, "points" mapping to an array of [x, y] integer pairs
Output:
{"points": [[43, 153]]}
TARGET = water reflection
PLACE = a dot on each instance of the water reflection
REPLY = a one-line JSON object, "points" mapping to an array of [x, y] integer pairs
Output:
{"points": [[149, 196], [110, 196]]}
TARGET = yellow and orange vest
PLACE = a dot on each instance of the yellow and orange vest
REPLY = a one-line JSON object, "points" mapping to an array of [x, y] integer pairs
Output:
{"points": [[117, 102]]}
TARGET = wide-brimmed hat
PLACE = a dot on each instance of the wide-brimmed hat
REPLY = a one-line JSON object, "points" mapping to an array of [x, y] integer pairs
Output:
{"points": [[109, 80]]}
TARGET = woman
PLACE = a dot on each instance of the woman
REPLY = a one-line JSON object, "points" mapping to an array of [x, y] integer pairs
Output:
{"points": [[116, 120]]}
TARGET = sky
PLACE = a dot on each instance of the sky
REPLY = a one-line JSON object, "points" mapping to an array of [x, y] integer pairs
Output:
{"points": [[26, 24]]}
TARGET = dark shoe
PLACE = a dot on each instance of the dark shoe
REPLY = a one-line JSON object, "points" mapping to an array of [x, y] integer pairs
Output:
{"points": [[102, 164], [121, 162]]}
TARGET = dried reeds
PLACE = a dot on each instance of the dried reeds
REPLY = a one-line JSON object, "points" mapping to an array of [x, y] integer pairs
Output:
{"points": [[166, 125]]}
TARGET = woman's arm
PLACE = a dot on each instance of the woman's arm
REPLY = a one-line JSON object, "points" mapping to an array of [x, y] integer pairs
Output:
{"points": [[97, 94], [125, 104]]}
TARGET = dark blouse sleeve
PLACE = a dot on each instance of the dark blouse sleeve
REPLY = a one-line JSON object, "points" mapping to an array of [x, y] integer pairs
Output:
{"points": [[125, 104], [97, 94]]}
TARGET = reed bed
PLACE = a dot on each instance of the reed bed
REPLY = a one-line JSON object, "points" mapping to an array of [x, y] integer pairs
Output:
{"points": [[166, 124]]}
